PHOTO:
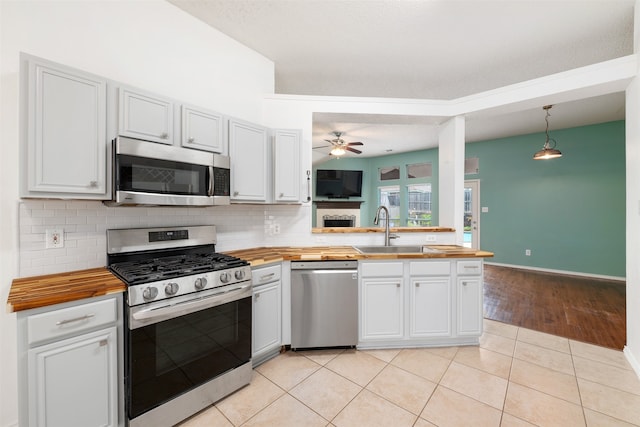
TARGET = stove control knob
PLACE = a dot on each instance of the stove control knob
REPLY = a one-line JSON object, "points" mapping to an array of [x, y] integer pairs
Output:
{"points": [[224, 277], [149, 293], [239, 274], [171, 288], [200, 283]]}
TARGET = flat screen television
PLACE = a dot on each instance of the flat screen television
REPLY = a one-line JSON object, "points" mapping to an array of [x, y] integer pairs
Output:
{"points": [[339, 184]]}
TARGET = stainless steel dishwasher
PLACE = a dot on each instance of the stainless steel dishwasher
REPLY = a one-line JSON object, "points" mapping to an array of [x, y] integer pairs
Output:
{"points": [[324, 304]]}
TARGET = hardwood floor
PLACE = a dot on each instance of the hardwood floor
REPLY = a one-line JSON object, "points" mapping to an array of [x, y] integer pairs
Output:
{"points": [[583, 309]]}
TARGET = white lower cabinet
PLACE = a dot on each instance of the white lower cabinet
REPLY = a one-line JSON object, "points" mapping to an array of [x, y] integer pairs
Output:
{"points": [[70, 364], [382, 313], [430, 307], [470, 296], [267, 313], [420, 303], [73, 382], [381, 301]]}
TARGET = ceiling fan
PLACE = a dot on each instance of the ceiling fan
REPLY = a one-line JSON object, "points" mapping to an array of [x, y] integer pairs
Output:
{"points": [[339, 146]]}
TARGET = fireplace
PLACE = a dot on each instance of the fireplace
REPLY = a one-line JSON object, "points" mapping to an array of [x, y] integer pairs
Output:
{"points": [[337, 214], [338, 220]]}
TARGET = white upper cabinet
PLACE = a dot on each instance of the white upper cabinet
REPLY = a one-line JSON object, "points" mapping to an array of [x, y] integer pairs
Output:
{"points": [[286, 166], [64, 117], [145, 116], [264, 171], [249, 161], [203, 130]]}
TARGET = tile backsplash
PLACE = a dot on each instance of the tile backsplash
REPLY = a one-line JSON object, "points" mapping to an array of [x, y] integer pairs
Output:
{"points": [[85, 224]]}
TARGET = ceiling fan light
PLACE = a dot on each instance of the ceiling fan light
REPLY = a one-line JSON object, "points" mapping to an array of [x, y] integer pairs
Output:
{"points": [[337, 151]]}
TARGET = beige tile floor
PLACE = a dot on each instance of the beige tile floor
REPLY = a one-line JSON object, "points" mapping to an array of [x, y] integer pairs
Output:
{"points": [[515, 377]]}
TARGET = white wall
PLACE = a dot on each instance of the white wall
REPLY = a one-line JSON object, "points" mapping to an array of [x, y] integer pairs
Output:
{"points": [[148, 44], [632, 155]]}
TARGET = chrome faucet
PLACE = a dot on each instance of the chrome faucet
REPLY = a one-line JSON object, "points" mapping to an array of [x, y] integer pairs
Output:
{"points": [[376, 220]]}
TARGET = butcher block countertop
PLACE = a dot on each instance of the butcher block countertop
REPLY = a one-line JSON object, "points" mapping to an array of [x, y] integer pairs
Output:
{"points": [[260, 256], [319, 230], [40, 291]]}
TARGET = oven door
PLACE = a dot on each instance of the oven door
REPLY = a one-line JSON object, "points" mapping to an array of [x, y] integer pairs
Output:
{"points": [[156, 174], [175, 346]]}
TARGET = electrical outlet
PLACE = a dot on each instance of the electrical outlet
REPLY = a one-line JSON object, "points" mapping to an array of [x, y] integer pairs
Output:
{"points": [[527, 252], [431, 239], [276, 228], [54, 238]]}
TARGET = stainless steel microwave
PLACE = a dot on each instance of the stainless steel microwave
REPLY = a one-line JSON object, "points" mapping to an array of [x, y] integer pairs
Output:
{"points": [[148, 173]]}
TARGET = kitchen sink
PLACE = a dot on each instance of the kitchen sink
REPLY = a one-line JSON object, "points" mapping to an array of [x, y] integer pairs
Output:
{"points": [[407, 249]]}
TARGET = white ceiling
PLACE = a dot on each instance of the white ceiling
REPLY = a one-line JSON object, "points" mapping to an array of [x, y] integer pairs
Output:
{"points": [[427, 49]]}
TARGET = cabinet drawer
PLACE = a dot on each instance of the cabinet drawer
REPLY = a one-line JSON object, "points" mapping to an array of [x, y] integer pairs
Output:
{"points": [[469, 267], [430, 268], [71, 320], [263, 275], [381, 269]]}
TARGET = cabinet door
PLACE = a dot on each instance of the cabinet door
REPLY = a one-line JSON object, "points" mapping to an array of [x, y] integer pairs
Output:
{"points": [[286, 166], [430, 305], [381, 309], [267, 323], [66, 133], [470, 305], [145, 116], [202, 130], [249, 160], [73, 382]]}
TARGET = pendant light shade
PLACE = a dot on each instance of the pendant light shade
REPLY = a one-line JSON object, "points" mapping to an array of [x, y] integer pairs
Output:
{"points": [[548, 151]]}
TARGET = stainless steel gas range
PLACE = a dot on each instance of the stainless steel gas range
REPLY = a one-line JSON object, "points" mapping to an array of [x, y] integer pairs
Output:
{"points": [[187, 321]]}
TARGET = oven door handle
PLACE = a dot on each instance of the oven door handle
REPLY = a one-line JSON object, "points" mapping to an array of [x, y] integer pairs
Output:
{"points": [[159, 313]]}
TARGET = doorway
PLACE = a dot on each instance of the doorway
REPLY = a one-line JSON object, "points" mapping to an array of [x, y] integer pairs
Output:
{"points": [[472, 214]]}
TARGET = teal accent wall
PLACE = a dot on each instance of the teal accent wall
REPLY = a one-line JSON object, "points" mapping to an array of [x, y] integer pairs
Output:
{"points": [[371, 182], [570, 212]]}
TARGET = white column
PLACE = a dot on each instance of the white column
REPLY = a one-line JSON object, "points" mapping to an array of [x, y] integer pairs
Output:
{"points": [[451, 176], [632, 349]]}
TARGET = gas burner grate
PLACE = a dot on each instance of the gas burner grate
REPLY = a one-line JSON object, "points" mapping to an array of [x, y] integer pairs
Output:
{"points": [[162, 268]]}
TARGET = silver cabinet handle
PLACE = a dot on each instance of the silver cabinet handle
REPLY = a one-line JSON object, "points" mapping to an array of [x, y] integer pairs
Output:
{"points": [[191, 139], [267, 276], [417, 284], [464, 283], [164, 135], [211, 182], [398, 285], [257, 296], [102, 343], [472, 267], [235, 193], [76, 319], [93, 184]]}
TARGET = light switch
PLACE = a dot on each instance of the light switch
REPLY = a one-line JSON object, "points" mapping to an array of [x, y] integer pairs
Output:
{"points": [[485, 209]]}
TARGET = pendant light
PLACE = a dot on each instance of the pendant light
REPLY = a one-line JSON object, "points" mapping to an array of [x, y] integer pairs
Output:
{"points": [[548, 151]]}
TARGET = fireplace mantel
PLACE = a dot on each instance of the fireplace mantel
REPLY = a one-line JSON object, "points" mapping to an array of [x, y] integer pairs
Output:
{"points": [[330, 204]]}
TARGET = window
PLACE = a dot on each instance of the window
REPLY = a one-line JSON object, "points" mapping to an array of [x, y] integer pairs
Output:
{"points": [[419, 205], [419, 170], [390, 173], [390, 197]]}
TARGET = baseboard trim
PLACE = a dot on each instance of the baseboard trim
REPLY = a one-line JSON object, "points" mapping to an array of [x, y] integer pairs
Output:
{"points": [[563, 272], [635, 364]]}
